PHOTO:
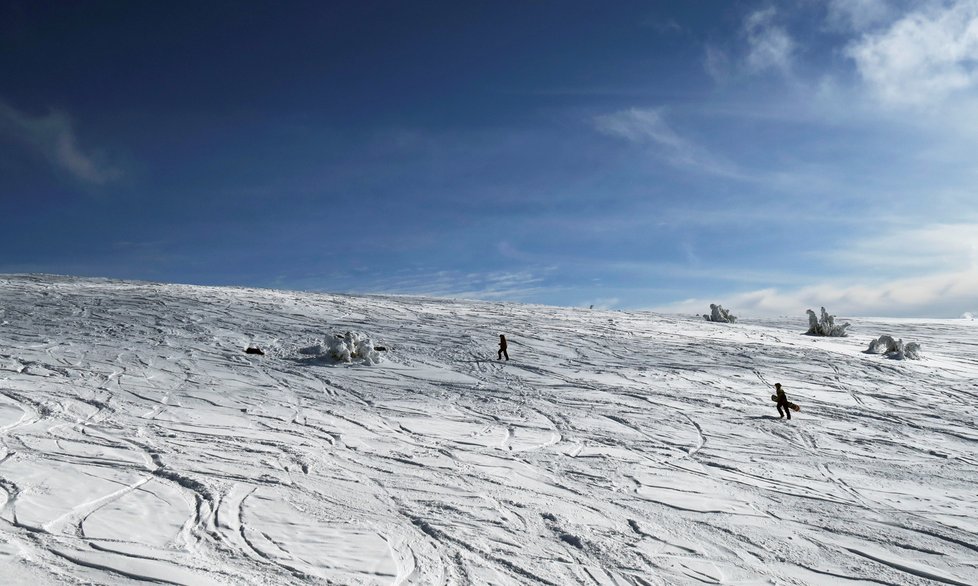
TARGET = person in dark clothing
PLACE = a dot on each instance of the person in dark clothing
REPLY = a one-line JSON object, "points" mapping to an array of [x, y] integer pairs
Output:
{"points": [[782, 401], [502, 348]]}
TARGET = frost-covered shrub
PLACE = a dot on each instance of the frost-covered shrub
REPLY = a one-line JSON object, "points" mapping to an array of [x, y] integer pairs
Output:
{"points": [[895, 349], [825, 325], [353, 346], [882, 345], [719, 314], [349, 347], [912, 351]]}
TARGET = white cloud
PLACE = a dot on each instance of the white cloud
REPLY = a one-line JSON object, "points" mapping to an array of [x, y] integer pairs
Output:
{"points": [[857, 15], [648, 127], [53, 138], [770, 47], [950, 287], [717, 63], [922, 58], [951, 247], [939, 295]]}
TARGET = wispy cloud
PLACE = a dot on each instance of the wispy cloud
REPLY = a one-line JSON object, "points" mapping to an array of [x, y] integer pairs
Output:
{"points": [[489, 285], [770, 47], [716, 62], [648, 127], [934, 247], [53, 138], [923, 57], [857, 15]]}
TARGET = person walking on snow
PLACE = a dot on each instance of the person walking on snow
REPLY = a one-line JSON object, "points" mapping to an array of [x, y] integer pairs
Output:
{"points": [[502, 348], [782, 401]]}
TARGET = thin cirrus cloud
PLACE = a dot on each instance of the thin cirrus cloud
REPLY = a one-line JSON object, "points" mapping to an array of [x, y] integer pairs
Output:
{"points": [[52, 137], [923, 57], [489, 285], [648, 127]]}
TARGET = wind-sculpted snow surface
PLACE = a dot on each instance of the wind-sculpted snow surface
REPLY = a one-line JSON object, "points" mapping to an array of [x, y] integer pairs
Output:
{"points": [[139, 443]]}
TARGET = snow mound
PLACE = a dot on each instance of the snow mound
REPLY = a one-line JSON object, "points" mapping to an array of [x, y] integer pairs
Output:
{"points": [[348, 347], [825, 325], [719, 314], [893, 348]]}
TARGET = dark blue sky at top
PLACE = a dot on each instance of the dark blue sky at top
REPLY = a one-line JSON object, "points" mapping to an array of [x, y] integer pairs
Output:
{"points": [[556, 152]]}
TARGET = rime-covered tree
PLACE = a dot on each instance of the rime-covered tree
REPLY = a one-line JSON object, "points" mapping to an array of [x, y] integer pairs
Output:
{"points": [[825, 326], [719, 314]]}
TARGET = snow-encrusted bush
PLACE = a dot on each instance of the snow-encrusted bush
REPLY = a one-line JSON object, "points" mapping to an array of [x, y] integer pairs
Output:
{"points": [[882, 345], [349, 347], [719, 314], [911, 351], [894, 348], [825, 326]]}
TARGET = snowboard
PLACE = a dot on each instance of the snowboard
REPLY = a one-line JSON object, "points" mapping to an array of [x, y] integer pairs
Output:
{"points": [[791, 405]]}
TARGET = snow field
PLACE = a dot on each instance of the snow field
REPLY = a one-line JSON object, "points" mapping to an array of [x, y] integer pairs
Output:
{"points": [[138, 442]]}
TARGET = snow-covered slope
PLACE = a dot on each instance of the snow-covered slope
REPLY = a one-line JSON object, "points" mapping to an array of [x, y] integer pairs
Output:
{"points": [[140, 442]]}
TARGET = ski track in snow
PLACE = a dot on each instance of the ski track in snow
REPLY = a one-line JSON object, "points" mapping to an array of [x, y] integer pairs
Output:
{"points": [[139, 443]]}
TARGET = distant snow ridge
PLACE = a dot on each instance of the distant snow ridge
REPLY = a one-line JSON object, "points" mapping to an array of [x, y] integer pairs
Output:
{"points": [[348, 347], [825, 326], [894, 348], [719, 314]]}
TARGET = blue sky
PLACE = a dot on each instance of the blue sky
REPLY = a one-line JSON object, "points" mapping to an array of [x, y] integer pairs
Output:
{"points": [[768, 156]]}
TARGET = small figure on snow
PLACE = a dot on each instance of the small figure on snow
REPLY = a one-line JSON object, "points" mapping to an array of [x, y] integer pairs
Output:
{"points": [[502, 348], [782, 401]]}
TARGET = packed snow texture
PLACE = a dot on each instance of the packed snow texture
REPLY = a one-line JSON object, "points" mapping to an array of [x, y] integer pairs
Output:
{"points": [[139, 443], [825, 325], [894, 348], [719, 314]]}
